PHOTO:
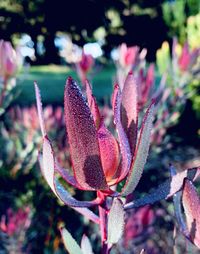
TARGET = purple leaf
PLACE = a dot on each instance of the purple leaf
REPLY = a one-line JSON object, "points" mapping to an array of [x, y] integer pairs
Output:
{"points": [[166, 189], [141, 153], [83, 140], [129, 110]]}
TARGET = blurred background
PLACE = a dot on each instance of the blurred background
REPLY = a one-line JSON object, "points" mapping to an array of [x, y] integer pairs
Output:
{"points": [[100, 40]]}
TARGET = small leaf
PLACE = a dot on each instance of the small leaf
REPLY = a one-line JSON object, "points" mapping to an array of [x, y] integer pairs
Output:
{"points": [[86, 246], [166, 189], [115, 222], [70, 243], [83, 141], [191, 205], [141, 153]]}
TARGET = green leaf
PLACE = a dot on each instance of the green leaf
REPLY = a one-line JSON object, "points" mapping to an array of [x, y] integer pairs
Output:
{"points": [[70, 243], [86, 246], [115, 222], [141, 153]]}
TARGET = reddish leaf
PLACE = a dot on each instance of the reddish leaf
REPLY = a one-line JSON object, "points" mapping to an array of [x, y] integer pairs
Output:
{"points": [[123, 141], [191, 205], [129, 111], [92, 104], [141, 152], [83, 140], [109, 152]]}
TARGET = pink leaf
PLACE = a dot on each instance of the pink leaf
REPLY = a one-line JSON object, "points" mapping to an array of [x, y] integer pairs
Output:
{"points": [[141, 152], [129, 110], [83, 140], [191, 205], [109, 152]]}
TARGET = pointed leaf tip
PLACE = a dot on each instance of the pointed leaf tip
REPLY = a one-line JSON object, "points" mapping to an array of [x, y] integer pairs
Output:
{"points": [[191, 205], [115, 222], [83, 140], [69, 242], [86, 246], [39, 109], [141, 152], [92, 104]]}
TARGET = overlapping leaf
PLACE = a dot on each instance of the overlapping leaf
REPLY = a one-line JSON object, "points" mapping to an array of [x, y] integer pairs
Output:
{"points": [[141, 152], [92, 104], [123, 141], [191, 205], [129, 110]]}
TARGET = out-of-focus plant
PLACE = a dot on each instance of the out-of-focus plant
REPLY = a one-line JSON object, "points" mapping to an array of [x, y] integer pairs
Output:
{"points": [[181, 69], [20, 136], [125, 59], [193, 34], [102, 163], [84, 66], [13, 227], [137, 224], [83, 62], [8, 70]]}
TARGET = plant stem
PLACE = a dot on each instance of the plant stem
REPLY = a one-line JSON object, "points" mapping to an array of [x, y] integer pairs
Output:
{"points": [[103, 223]]}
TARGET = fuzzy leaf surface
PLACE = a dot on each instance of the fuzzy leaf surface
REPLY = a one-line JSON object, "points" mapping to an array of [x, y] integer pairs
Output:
{"points": [[83, 141], [141, 153], [115, 222], [129, 110]]}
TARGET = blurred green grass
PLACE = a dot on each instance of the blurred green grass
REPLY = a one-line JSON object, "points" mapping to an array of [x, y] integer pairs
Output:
{"points": [[51, 80]]}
